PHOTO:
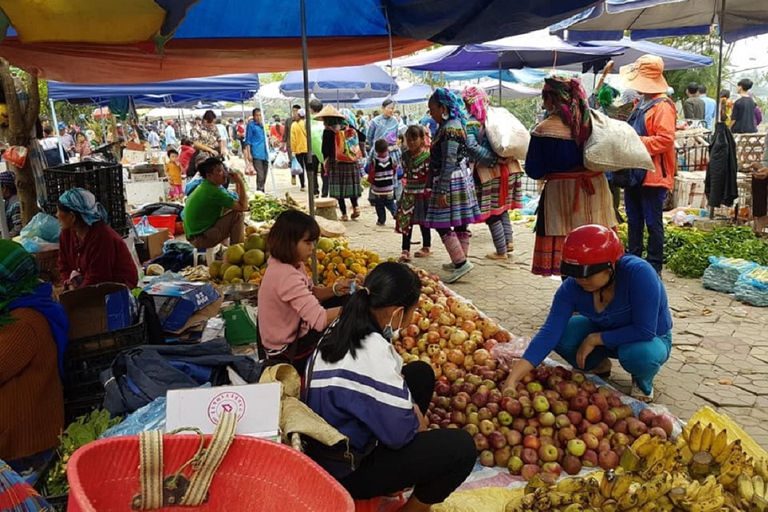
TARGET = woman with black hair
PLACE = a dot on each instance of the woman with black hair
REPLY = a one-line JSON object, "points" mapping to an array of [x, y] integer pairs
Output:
{"points": [[358, 384]]}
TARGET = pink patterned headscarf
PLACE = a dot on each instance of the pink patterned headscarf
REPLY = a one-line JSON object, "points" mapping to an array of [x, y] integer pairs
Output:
{"points": [[476, 101], [570, 101]]}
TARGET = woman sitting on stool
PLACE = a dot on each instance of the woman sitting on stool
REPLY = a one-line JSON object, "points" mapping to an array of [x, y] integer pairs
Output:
{"points": [[293, 312], [622, 309]]}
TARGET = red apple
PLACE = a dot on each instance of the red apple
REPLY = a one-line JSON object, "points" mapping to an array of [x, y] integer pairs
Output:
{"points": [[442, 388], [579, 403], [514, 438], [589, 387], [600, 402], [553, 469], [621, 427], [590, 440], [529, 471], [553, 381], [484, 414], [571, 464], [636, 427], [614, 401], [609, 418], [593, 414], [515, 465], [548, 453], [608, 459], [501, 456], [481, 442], [568, 389], [664, 422], [575, 417], [497, 440], [658, 432], [458, 418], [494, 408], [530, 456], [519, 424], [532, 441], [480, 398], [495, 396], [646, 416], [604, 445], [566, 434], [596, 431], [576, 447], [590, 459], [513, 407], [486, 458]]}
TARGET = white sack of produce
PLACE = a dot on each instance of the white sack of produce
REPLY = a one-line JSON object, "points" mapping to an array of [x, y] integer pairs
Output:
{"points": [[507, 135], [614, 145]]}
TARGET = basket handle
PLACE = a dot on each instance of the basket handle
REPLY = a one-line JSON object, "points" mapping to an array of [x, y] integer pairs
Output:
{"points": [[157, 491]]}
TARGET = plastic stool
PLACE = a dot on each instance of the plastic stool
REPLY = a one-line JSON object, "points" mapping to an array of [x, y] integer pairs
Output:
{"points": [[210, 255]]}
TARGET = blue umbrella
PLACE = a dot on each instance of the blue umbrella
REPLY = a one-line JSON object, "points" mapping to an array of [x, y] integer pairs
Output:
{"points": [[413, 93], [341, 84]]}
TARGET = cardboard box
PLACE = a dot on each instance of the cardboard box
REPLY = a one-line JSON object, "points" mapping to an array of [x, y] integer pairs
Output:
{"points": [[177, 301], [153, 244], [257, 407], [98, 309]]}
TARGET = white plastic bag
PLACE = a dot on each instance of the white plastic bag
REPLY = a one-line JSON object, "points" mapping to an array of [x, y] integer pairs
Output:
{"points": [[614, 145], [282, 161], [507, 135]]}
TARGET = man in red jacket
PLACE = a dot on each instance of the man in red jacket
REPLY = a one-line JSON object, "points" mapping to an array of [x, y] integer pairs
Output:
{"points": [[654, 120]]}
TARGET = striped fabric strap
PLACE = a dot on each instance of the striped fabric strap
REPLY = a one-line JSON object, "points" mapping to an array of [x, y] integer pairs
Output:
{"points": [[151, 469], [214, 454]]}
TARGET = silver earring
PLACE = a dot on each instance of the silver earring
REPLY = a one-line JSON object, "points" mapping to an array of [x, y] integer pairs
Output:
{"points": [[445, 116]]}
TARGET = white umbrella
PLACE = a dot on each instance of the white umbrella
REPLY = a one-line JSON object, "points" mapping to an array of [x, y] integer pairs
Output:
{"points": [[509, 90]]}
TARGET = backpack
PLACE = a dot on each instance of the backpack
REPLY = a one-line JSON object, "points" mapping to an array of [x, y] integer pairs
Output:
{"points": [[344, 151], [629, 178]]}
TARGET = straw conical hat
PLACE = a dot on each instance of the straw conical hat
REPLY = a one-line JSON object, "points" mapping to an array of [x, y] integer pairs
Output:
{"points": [[328, 111]]}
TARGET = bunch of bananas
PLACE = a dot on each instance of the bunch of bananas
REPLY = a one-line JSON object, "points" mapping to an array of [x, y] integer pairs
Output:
{"points": [[708, 452], [694, 496], [753, 491], [650, 456], [567, 495]]}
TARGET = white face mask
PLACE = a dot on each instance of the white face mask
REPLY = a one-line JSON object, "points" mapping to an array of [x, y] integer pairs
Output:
{"points": [[389, 332]]}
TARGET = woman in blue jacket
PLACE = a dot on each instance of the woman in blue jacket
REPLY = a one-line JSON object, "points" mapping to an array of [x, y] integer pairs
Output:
{"points": [[622, 309]]}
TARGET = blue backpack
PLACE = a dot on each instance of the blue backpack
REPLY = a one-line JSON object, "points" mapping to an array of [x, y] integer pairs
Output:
{"points": [[629, 178]]}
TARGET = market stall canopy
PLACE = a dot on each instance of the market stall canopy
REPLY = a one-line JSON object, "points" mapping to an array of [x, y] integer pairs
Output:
{"points": [[534, 50], [647, 19], [672, 57], [114, 41], [408, 93], [509, 91], [176, 92], [341, 84], [525, 75]]}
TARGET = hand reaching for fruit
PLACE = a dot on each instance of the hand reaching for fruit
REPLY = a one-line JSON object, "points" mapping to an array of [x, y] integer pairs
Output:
{"points": [[520, 369]]}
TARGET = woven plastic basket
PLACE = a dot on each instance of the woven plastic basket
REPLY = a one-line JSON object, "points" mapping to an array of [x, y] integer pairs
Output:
{"points": [[255, 475]]}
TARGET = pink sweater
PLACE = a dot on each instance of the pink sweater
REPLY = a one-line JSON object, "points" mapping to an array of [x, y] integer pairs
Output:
{"points": [[287, 307]]}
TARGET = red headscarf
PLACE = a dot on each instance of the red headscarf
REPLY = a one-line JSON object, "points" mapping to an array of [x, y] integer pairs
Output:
{"points": [[570, 102]]}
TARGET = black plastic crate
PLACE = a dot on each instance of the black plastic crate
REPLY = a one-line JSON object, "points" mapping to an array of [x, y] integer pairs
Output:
{"points": [[86, 358], [104, 180]]}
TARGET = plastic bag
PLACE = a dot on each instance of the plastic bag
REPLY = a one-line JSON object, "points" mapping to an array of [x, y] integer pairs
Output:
{"points": [[506, 353], [144, 228], [752, 287], [17, 155], [722, 273], [506, 134], [281, 160], [614, 145], [296, 168], [44, 227], [149, 417], [37, 244]]}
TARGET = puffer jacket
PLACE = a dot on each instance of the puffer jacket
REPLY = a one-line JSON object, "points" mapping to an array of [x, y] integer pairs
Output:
{"points": [[660, 123]]}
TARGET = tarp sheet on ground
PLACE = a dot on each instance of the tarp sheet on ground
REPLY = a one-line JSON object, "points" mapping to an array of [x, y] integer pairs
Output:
{"points": [[648, 19], [238, 87], [114, 41]]}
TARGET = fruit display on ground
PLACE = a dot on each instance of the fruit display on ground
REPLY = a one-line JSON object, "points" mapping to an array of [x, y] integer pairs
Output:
{"points": [[336, 260], [699, 472], [245, 262], [265, 207], [556, 420]]}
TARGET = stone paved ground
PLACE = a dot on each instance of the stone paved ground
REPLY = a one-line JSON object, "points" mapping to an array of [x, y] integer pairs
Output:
{"points": [[720, 346]]}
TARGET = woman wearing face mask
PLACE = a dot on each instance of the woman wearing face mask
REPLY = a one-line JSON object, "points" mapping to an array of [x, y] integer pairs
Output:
{"points": [[358, 384], [614, 307], [572, 196]]}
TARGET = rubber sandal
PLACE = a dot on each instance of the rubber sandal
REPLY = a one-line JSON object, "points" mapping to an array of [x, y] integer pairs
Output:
{"points": [[460, 272], [344, 218], [638, 394], [405, 257], [424, 252], [497, 256], [510, 247], [355, 213]]}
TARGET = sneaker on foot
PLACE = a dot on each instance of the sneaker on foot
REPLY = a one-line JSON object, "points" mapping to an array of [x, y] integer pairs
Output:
{"points": [[448, 266], [497, 256], [460, 272], [293, 180]]}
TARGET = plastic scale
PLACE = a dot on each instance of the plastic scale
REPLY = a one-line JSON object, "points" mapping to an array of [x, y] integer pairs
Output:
{"points": [[239, 319]]}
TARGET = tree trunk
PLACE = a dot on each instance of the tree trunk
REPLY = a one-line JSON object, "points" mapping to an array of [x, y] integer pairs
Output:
{"points": [[21, 122]]}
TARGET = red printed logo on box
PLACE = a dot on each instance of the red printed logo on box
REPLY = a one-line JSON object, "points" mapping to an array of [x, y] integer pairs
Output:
{"points": [[228, 401]]}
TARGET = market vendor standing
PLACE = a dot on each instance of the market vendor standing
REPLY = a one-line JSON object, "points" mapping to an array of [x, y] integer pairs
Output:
{"points": [[614, 307], [33, 337], [12, 205], [573, 196], [205, 222], [91, 252], [293, 312]]}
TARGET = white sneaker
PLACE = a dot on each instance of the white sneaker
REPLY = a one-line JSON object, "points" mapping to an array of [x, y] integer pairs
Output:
{"points": [[450, 267], [460, 272]]}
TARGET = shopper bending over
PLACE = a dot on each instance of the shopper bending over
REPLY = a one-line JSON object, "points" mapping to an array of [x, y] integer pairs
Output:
{"points": [[358, 384], [622, 313], [205, 222], [293, 313], [91, 252]]}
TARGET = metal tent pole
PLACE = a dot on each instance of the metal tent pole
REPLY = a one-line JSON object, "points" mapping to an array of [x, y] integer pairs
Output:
{"points": [[56, 127], [499, 55], [310, 153]]}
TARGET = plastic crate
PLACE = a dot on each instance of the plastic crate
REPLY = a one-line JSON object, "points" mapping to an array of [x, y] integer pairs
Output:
{"points": [[48, 264], [104, 180], [86, 358]]}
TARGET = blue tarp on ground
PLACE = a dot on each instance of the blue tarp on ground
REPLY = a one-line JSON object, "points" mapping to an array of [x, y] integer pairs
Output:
{"points": [[176, 92]]}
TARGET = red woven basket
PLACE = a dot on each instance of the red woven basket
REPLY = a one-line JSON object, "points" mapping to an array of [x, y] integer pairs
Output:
{"points": [[255, 475]]}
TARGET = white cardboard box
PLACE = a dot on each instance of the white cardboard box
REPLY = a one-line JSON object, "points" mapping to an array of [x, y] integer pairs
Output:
{"points": [[257, 407]]}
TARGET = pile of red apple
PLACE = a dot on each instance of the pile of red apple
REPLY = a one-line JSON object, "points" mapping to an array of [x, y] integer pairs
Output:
{"points": [[556, 420], [447, 332]]}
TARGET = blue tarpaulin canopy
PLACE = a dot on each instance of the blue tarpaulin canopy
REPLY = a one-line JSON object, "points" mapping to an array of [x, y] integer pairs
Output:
{"points": [[118, 41], [524, 76], [176, 92], [535, 50], [648, 19], [341, 84], [672, 57], [412, 93]]}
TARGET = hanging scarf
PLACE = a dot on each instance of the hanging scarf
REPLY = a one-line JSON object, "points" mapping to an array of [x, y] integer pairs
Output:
{"points": [[84, 202], [570, 102], [453, 102], [476, 101]]}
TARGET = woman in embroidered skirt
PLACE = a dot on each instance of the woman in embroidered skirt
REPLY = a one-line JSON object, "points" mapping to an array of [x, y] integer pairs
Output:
{"points": [[573, 195], [343, 177], [452, 205], [412, 207], [497, 180]]}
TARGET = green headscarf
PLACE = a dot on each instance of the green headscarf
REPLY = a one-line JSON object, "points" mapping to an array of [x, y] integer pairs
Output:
{"points": [[18, 276]]}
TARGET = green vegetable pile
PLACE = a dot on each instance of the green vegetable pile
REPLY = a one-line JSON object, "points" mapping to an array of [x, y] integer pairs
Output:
{"points": [[265, 207], [687, 250], [83, 430]]}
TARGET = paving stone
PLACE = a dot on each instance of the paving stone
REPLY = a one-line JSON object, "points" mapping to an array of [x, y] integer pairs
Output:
{"points": [[760, 353], [723, 395], [741, 364], [725, 344]]}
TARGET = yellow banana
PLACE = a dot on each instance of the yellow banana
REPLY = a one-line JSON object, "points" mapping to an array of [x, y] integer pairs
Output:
{"points": [[627, 501], [759, 485], [610, 506], [728, 474], [706, 438], [694, 440], [719, 443], [708, 488], [650, 506], [621, 486], [692, 491], [654, 488], [558, 499], [606, 484], [708, 505], [745, 487], [761, 467], [574, 507], [640, 441], [571, 485], [665, 504], [646, 449], [657, 455], [596, 500], [735, 446]]}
